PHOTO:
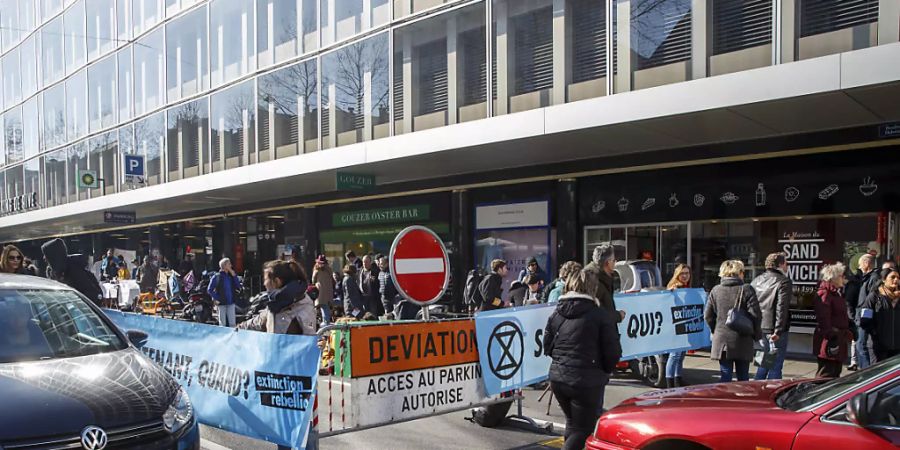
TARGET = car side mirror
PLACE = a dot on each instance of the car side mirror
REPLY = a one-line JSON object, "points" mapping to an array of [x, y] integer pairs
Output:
{"points": [[858, 410], [137, 338]]}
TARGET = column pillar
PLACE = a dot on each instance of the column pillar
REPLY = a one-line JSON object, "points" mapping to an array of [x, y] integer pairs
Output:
{"points": [[566, 221], [461, 259], [452, 70], [701, 24], [888, 21], [504, 55], [227, 250], [407, 83], [561, 72], [623, 50], [156, 237], [789, 31]]}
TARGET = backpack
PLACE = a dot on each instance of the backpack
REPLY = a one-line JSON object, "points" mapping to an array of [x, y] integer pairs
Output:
{"points": [[471, 293]]}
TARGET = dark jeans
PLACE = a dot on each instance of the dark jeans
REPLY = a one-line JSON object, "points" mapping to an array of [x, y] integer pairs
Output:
{"points": [[828, 368], [580, 407], [732, 367]]}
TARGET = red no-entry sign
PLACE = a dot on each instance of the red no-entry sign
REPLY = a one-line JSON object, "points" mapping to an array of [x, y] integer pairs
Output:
{"points": [[419, 265]]}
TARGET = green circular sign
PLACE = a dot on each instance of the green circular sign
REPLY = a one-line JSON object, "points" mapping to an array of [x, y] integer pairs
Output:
{"points": [[87, 178]]}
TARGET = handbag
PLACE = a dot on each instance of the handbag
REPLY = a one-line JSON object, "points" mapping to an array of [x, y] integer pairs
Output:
{"points": [[739, 319]]}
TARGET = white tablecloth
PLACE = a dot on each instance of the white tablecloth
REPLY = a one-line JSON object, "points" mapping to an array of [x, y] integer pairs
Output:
{"points": [[124, 291]]}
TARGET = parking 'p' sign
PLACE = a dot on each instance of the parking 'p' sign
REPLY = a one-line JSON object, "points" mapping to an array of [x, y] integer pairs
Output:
{"points": [[419, 265], [134, 169]]}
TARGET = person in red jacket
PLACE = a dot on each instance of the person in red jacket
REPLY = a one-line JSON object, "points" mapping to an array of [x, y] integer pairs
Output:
{"points": [[832, 333]]}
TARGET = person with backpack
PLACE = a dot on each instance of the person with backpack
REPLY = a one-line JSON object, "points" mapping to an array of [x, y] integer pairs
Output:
{"points": [[555, 289], [491, 287], [71, 270], [222, 289], [471, 293]]}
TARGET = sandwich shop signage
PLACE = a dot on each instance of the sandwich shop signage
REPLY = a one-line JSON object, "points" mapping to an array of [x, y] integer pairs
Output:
{"points": [[19, 203]]}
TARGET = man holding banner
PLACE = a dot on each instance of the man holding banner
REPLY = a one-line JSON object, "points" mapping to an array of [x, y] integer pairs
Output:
{"points": [[582, 339]]}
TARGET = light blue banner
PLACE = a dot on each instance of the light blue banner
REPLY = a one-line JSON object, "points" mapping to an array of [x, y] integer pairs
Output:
{"points": [[662, 322], [510, 341], [255, 384], [511, 347]]}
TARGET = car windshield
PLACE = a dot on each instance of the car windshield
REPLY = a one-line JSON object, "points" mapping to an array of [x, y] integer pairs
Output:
{"points": [[810, 393], [37, 324]]}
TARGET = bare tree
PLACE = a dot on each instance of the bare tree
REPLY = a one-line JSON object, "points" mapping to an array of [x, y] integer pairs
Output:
{"points": [[348, 74]]}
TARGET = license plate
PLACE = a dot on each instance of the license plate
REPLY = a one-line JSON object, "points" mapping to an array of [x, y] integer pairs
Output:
{"points": [[198, 308]]}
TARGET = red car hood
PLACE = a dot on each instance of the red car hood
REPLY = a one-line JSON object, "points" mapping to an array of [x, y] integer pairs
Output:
{"points": [[750, 394]]}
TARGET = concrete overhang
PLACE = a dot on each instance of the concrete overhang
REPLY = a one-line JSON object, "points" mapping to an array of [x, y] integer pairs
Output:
{"points": [[845, 90]]}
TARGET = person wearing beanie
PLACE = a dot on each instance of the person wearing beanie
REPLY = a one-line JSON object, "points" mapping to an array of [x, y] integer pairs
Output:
{"points": [[533, 268], [71, 270]]}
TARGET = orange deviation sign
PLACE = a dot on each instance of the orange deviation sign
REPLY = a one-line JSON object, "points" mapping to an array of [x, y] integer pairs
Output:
{"points": [[390, 348]]}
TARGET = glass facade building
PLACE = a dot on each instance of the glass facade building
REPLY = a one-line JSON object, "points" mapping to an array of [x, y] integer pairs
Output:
{"points": [[200, 86]]}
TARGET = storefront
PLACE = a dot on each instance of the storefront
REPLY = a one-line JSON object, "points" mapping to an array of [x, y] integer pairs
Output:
{"points": [[515, 233], [704, 215], [370, 227]]}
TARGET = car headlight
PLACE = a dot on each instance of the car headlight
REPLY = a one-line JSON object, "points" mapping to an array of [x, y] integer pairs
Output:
{"points": [[180, 412]]}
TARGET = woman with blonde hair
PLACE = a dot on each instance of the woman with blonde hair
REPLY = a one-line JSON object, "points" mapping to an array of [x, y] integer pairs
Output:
{"points": [[681, 279], [11, 260], [732, 346], [832, 333]]}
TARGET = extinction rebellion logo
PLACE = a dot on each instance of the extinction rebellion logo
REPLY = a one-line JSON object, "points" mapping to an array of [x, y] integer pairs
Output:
{"points": [[283, 391], [506, 350]]}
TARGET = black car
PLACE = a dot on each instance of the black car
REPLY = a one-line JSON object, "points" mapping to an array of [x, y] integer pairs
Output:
{"points": [[70, 379]]}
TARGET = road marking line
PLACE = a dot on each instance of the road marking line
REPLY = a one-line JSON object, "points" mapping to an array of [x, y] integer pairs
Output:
{"points": [[554, 443], [412, 266], [210, 445]]}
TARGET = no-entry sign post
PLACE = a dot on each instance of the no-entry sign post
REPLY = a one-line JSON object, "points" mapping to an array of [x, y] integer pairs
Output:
{"points": [[419, 265]]}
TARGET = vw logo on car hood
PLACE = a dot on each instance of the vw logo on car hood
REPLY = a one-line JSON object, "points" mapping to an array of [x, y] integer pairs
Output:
{"points": [[93, 438]]}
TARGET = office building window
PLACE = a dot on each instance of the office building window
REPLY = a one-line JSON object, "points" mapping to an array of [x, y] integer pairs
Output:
{"points": [[76, 106], [145, 14], [78, 160], [288, 111], [52, 38], [823, 16], [233, 113], [186, 50], [276, 30], [232, 35], [102, 94], [55, 178], [28, 63], [123, 22], [31, 128], [660, 32], [588, 40], [533, 47], [149, 79], [741, 24], [149, 140], [75, 44], [49, 8], [188, 138], [125, 83], [355, 90], [15, 182], [342, 19], [54, 104], [309, 24], [9, 23], [102, 158], [31, 181], [13, 134], [12, 78], [101, 16]]}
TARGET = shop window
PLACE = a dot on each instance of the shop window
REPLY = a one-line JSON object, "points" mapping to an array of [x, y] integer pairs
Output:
{"points": [[75, 43], [188, 131], [233, 127], [232, 34], [54, 103], [55, 178], [102, 94], [355, 92], [76, 106], [288, 111], [100, 18], [186, 47], [149, 79]]}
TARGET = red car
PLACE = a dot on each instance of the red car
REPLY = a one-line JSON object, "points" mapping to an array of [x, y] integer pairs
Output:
{"points": [[858, 411]]}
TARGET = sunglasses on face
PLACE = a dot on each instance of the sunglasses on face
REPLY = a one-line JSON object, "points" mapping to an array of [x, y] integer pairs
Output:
{"points": [[14, 257]]}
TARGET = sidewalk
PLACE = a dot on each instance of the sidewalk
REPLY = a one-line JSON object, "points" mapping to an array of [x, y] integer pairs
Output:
{"points": [[699, 369]]}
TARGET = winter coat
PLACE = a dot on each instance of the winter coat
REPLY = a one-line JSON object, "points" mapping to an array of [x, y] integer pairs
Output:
{"points": [[517, 293], [832, 323], [583, 341], [556, 291], [386, 288], [851, 294], [869, 283], [148, 277], [353, 298], [109, 267], [491, 289], [604, 293], [774, 291], [885, 322], [406, 310], [369, 287], [727, 343], [71, 269], [540, 274], [222, 287], [323, 279], [289, 311]]}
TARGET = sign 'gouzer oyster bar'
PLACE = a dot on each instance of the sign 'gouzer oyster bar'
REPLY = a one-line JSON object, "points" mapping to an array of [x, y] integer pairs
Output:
{"points": [[19, 203], [413, 213]]}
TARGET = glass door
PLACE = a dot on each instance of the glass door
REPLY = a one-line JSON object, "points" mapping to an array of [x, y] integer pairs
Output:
{"points": [[667, 244]]}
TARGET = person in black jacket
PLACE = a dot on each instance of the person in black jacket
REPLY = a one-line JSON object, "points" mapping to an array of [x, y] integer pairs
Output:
{"points": [[869, 283], [71, 269], [491, 286], [774, 291], [582, 339], [880, 315], [354, 304], [851, 294]]}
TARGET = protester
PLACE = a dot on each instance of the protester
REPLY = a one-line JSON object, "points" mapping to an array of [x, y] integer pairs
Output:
{"points": [[354, 304], [369, 285], [603, 263], [832, 334], [733, 350], [135, 267], [352, 259], [880, 315], [123, 272], [109, 267], [516, 293], [491, 286], [532, 289], [323, 278], [582, 339], [532, 268], [222, 289], [556, 288], [774, 291], [386, 288], [12, 260], [681, 279], [71, 269], [869, 282], [148, 276], [289, 310]]}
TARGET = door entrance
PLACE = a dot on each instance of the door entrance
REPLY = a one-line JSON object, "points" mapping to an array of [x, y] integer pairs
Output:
{"points": [[667, 244]]}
